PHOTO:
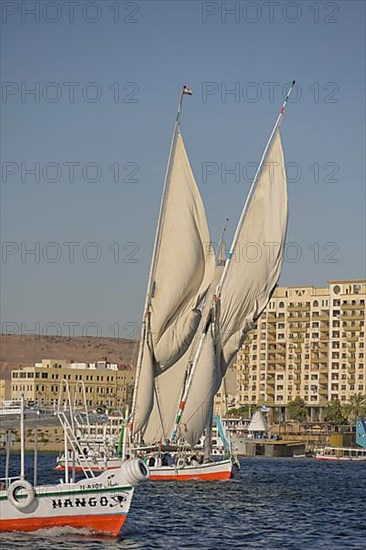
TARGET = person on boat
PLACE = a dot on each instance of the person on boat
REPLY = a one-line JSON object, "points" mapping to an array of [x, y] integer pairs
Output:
{"points": [[151, 461], [194, 460], [158, 462]]}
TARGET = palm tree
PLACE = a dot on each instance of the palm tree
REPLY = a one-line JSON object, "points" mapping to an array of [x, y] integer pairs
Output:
{"points": [[356, 406]]}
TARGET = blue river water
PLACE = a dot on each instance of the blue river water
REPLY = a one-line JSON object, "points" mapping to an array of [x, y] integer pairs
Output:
{"points": [[271, 504]]}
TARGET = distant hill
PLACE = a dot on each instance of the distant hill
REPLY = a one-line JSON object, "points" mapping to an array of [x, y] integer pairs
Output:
{"points": [[25, 350]]}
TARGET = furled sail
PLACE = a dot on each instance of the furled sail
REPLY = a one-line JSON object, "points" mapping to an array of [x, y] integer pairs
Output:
{"points": [[255, 268], [185, 264]]}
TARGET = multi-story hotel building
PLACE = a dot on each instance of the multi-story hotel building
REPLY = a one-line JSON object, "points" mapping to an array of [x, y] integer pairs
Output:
{"points": [[104, 383], [310, 342]]}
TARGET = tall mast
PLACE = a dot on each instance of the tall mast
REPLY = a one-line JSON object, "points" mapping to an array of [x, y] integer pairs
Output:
{"points": [[227, 263], [150, 284]]}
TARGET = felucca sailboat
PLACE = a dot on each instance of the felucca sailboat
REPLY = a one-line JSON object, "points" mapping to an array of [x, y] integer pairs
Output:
{"points": [[197, 314]]}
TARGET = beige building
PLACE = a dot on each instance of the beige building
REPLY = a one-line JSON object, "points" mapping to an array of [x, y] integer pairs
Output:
{"points": [[5, 391], [310, 342], [226, 397], [105, 384]]}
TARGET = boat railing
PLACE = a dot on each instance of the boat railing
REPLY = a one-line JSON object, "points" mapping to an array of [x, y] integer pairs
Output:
{"points": [[5, 482]]}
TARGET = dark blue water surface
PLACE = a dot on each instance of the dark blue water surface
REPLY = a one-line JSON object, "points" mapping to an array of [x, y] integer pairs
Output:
{"points": [[271, 503]]}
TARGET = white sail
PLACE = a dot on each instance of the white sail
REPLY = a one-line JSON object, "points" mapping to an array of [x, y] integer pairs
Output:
{"points": [[185, 264], [145, 390], [168, 388], [205, 384], [255, 268], [184, 269]]}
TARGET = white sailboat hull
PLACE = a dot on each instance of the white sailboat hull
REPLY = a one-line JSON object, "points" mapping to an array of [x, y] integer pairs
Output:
{"points": [[217, 470], [220, 470]]}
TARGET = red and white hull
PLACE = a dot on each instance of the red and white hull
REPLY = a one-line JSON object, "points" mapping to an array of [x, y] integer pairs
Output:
{"points": [[98, 504], [219, 470], [98, 465], [342, 458]]}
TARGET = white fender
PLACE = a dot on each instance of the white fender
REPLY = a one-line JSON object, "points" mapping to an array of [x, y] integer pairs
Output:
{"points": [[181, 463], [21, 502], [135, 470]]}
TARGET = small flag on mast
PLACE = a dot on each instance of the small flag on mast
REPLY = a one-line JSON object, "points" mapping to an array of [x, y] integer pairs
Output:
{"points": [[187, 90]]}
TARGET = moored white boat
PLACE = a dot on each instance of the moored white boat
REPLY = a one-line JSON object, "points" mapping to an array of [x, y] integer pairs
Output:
{"points": [[354, 454], [181, 471], [211, 471]]}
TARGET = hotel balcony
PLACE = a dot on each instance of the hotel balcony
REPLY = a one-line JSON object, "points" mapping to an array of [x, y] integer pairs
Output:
{"points": [[323, 318], [352, 339], [352, 306], [272, 319], [298, 318], [352, 317], [298, 308]]}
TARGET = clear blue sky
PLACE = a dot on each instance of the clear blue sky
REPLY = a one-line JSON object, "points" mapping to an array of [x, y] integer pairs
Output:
{"points": [[169, 44]]}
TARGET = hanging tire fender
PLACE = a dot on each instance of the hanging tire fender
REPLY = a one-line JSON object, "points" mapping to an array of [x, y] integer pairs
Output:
{"points": [[21, 502], [181, 462]]}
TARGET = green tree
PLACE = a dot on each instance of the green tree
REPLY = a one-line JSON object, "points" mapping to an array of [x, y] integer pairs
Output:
{"points": [[246, 411], [356, 406], [296, 410], [335, 413]]}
